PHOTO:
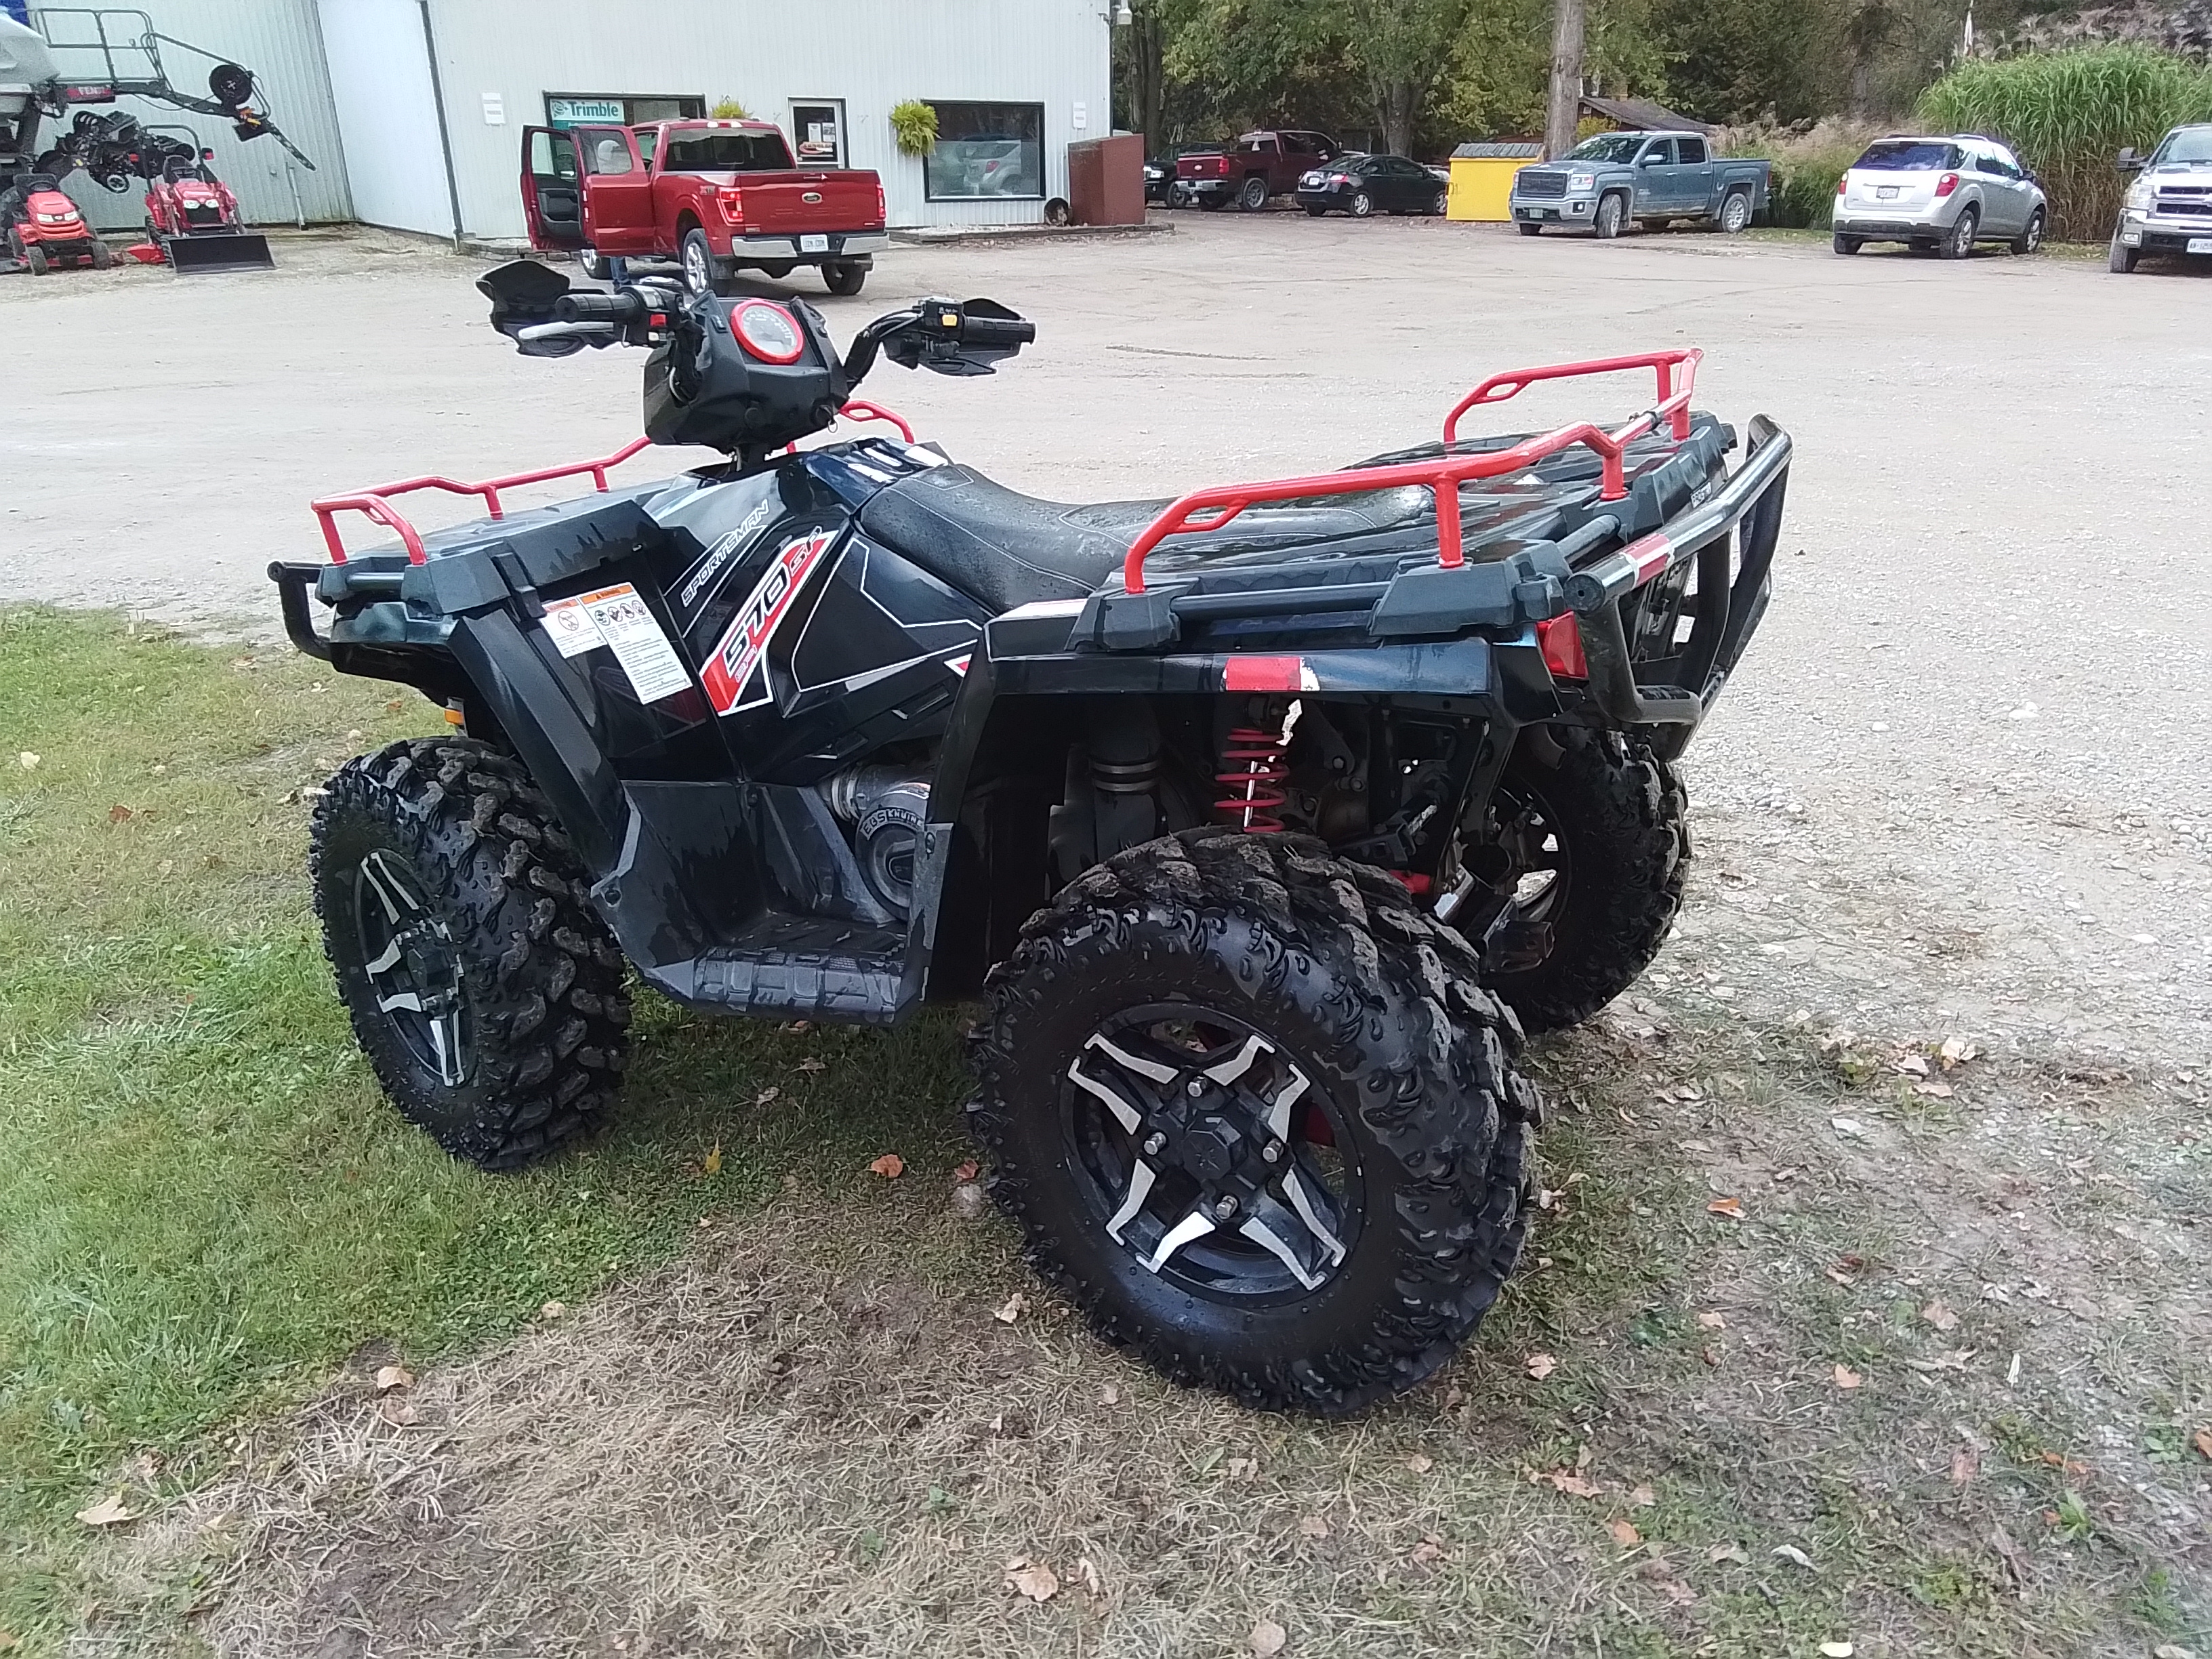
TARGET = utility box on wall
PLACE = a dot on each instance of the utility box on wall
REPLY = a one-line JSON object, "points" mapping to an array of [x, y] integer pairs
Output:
{"points": [[1106, 181]]}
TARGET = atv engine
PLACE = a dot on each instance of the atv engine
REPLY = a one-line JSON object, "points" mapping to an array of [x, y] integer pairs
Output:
{"points": [[884, 807]]}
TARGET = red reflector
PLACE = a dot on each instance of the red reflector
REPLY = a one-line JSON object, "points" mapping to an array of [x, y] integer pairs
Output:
{"points": [[1947, 184], [1415, 882], [659, 319], [1561, 643], [1265, 674]]}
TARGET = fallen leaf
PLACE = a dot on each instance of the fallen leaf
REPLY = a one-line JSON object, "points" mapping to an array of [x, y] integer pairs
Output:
{"points": [[766, 1095], [1540, 1365], [1941, 1316], [9, 1641], [27, 761], [166, 866], [118, 813], [1720, 1552], [1267, 1638], [2203, 1441], [712, 1164], [1934, 1091], [1730, 1208], [812, 1064], [553, 1311], [1642, 1497], [1845, 1377], [1836, 1650], [1712, 1322], [400, 1413], [1573, 1485], [392, 708], [1913, 1066], [1791, 1552], [796, 1027], [1839, 1276], [1110, 1395], [1032, 1579], [967, 1171], [1624, 1534], [1965, 1466], [1421, 1463], [2016, 1562], [1244, 1469], [1016, 1305], [1848, 1126], [1956, 1051], [1086, 1573], [2173, 1651], [389, 1378], [108, 1512], [1431, 1549], [890, 1166], [1313, 1526]]}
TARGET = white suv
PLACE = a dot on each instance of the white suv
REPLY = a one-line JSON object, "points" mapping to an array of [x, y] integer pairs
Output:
{"points": [[1940, 195]]}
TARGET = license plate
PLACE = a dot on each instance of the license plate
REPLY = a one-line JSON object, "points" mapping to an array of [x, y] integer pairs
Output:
{"points": [[2200, 245], [1885, 192], [814, 245]]}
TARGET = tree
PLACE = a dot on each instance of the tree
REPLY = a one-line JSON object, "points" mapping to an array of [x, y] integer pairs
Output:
{"points": [[1402, 48], [1564, 110]]}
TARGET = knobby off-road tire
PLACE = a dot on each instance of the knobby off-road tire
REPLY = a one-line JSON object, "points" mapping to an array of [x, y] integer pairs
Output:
{"points": [[1409, 1086], [444, 849], [1622, 817]]}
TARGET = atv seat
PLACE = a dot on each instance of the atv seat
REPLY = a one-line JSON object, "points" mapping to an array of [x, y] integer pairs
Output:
{"points": [[1005, 550]]}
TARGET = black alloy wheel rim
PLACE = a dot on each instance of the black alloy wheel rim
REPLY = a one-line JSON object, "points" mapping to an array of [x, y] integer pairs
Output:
{"points": [[413, 973], [1209, 1155]]}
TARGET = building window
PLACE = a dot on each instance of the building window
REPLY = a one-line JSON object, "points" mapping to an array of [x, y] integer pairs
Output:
{"points": [[986, 149], [604, 109]]}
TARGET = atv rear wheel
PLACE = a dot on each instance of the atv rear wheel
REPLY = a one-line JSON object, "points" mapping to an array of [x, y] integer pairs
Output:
{"points": [[487, 994], [1257, 1118], [1596, 838]]}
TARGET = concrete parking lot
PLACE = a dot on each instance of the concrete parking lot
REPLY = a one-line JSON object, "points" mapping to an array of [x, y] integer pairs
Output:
{"points": [[1963, 767]]}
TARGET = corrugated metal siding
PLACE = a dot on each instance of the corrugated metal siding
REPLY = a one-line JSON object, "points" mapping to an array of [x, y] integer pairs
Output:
{"points": [[388, 114], [280, 42], [871, 53]]}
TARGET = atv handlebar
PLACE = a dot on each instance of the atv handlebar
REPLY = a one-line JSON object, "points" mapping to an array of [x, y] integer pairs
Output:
{"points": [[585, 306]]}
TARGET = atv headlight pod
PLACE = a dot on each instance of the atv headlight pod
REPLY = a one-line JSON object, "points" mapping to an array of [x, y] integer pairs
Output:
{"points": [[2138, 196], [1582, 182], [768, 331]]}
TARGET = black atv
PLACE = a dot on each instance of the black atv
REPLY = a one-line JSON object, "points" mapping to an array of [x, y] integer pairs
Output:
{"points": [[1265, 820]]}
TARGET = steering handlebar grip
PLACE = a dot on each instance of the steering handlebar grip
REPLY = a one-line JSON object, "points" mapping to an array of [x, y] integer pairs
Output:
{"points": [[997, 331], [591, 307]]}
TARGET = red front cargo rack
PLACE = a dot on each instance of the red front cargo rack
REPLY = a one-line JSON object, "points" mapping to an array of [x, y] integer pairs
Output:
{"points": [[1215, 505], [373, 502]]}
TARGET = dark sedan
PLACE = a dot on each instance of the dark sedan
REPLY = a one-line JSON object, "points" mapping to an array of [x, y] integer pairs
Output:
{"points": [[1362, 185]]}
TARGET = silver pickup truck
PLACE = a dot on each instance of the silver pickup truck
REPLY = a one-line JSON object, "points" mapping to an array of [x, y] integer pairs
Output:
{"points": [[1651, 178], [2168, 209]]}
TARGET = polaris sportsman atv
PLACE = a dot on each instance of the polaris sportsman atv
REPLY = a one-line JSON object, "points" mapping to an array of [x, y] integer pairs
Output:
{"points": [[1265, 820]]}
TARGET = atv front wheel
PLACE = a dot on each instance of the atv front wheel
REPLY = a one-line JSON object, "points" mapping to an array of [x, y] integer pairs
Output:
{"points": [[1257, 1118], [486, 992], [1593, 832]]}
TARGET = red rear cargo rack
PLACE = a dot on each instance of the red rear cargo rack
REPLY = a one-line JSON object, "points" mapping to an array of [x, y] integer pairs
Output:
{"points": [[1215, 505]]}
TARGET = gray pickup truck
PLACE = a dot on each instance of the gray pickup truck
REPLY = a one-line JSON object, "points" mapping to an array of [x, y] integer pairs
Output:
{"points": [[2168, 208], [1652, 177]]}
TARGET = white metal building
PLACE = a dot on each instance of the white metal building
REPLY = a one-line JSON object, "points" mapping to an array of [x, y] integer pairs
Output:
{"points": [[1013, 80], [414, 110]]}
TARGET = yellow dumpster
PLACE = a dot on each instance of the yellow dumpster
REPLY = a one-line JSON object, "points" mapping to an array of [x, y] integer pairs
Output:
{"points": [[1482, 181]]}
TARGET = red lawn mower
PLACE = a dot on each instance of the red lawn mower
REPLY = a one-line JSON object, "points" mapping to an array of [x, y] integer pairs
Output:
{"points": [[43, 226]]}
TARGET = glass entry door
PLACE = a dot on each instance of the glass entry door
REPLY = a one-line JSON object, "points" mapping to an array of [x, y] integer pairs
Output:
{"points": [[818, 132]]}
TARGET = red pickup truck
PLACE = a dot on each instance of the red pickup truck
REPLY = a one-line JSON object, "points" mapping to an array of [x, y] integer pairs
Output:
{"points": [[1257, 166], [715, 197]]}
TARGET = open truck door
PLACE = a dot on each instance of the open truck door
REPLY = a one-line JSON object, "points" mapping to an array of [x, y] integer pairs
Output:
{"points": [[617, 208], [552, 189]]}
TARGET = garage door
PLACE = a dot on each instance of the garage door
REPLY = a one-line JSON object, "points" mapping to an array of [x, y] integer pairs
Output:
{"points": [[387, 114]]}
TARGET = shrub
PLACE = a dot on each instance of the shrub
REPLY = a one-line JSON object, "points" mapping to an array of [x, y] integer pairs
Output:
{"points": [[729, 109], [2067, 114], [913, 123], [1807, 165]]}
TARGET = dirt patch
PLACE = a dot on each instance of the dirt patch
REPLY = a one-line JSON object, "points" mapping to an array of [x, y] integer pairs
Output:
{"points": [[1933, 1389]]}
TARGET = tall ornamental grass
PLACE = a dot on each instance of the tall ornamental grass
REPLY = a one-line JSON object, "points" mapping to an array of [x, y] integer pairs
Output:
{"points": [[2069, 113]]}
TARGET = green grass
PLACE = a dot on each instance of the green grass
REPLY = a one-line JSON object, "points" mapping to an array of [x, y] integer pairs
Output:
{"points": [[205, 1204]]}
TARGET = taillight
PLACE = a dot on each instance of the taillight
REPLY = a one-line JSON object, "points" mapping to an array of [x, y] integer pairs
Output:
{"points": [[1561, 643], [1843, 184], [1947, 184], [883, 209], [733, 201]]}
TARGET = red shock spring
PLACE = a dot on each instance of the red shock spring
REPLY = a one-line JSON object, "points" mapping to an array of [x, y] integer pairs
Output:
{"points": [[1253, 773]]}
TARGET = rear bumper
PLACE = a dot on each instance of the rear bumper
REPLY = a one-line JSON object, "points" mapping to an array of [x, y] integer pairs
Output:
{"points": [[838, 245], [1878, 227], [1202, 188]]}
